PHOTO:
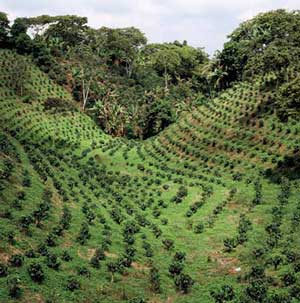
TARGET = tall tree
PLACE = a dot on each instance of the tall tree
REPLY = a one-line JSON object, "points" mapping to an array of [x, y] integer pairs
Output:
{"points": [[85, 70], [268, 42], [20, 39], [123, 45], [4, 29], [166, 60], [70, 30]]}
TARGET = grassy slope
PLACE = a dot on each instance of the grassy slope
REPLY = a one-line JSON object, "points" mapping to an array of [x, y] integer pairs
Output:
{"points": [[208, 148]]}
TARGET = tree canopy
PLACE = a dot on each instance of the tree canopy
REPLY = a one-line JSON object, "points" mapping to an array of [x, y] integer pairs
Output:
{"points": [[268, 42]]}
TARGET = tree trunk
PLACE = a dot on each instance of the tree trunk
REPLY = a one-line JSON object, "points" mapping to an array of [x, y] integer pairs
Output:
{"points": [[166, 79], [85, 93], [128, 69]]}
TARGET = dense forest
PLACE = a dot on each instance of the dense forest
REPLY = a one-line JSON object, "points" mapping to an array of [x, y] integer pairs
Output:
{"points": [[149, 172], [135, 89]]}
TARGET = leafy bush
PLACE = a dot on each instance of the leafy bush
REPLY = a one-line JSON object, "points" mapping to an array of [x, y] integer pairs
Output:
{"points": [[16, 260], [183, 282], [52, 261], [288, 100], [3, 270], [57, 105], [14, 288], [73, 283], [199, 228], [154, 279], [36, 272], [223, 294]]}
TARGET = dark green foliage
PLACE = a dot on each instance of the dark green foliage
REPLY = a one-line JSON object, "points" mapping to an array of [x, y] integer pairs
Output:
{"points": [[27, 179], [4, 30], [97, 257], [83, 271], [258, 193], [245, 225], [155, 280], [16, 260], [289, 278], [288, 167], [256, 291], [168, 244], [276, 261], [179, 256], [30, 254], [52, 261], [43, 249], [175, 268], [183, 282], [73, 283], [36, 272], [223, 294], [283, 297], [66, 218], [115, 267], [229, 244], [14, 288], [257, 272], [20, 38], [66, 256], [56, 105], [3, 270], [11, 237], [181, 194], [25, 221], [274, 232], [84, 234], [288, 103], [264, 44], [199, 228], [295, 292], [148, 249]]}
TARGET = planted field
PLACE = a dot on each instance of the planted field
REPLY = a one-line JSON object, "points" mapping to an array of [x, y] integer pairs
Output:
{"points": [[190, 215]]}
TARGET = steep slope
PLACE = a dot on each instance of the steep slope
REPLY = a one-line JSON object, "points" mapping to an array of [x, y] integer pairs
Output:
{"points": [[104, 214]]}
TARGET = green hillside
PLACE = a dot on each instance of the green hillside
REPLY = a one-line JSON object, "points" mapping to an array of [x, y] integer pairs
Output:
{"points": [[205, 211]]}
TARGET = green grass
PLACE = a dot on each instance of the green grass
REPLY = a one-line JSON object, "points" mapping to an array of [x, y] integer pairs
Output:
{"points": [[213, 148]]}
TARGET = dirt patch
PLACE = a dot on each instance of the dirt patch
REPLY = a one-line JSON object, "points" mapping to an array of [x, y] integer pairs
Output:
{"points": [[233, 206], [56, 200], [91, 251], [4, 257], [66, 244], [33, 298], [158, 300], [227, 264], [138, 266], [170, 299], [232, 219], [110, 255], [282, 149], [87, 255], [258, 221]]}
